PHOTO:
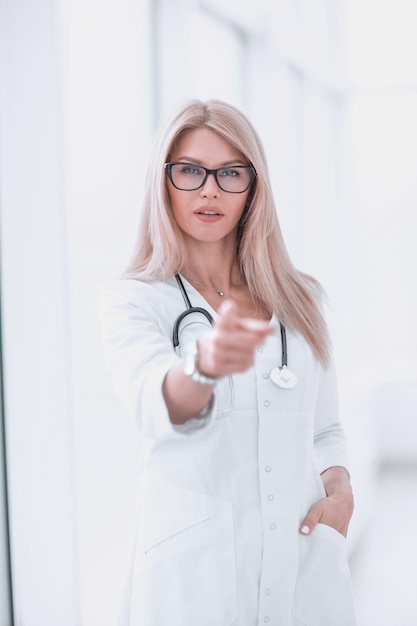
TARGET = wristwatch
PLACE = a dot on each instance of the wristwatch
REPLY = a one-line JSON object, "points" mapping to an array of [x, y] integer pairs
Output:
{"points": [[190, 359]]}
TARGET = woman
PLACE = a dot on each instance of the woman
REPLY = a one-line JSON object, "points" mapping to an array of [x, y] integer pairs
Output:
{"points": [[244, 499]]}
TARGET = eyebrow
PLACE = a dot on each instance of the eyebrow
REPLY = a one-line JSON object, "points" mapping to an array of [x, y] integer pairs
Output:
{"points": [[198, 162]]}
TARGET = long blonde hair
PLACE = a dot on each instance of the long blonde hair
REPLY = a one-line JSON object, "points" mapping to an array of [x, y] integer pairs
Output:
{"points": [[264, 260]]}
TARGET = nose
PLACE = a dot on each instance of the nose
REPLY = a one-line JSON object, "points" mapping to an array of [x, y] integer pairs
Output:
{"points": [[210, 187]]}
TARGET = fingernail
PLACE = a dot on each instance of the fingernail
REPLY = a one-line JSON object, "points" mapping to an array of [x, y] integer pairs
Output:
{"points": [[305, 530]]}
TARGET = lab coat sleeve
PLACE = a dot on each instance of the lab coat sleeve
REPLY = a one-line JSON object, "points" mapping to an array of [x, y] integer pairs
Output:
{"points": [[139, 355], [329, 437]]}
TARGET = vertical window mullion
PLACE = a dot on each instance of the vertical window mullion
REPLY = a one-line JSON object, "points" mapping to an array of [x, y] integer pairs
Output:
{"points": [[6, 603]]}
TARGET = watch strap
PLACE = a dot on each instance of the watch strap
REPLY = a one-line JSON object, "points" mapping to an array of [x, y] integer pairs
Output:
{"points": [[190, 365]]}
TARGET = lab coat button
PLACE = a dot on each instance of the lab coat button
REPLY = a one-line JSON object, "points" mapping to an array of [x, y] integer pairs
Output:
{"points": [[267, 468], [260, 349], [266, 403], [266, 376], [272, 526], [270, 497], [266, 619], [267, 592]]}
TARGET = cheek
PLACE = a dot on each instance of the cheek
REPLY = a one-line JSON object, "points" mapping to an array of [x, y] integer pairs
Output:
{"points": [[173, 201], [241, 208], [177, 204]]}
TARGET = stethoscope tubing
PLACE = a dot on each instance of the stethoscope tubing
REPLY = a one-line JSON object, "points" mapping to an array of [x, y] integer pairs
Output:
{"points": [[189, 310]]}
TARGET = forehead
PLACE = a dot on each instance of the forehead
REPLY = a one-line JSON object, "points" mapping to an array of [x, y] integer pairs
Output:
{"points": [[206, 147]]}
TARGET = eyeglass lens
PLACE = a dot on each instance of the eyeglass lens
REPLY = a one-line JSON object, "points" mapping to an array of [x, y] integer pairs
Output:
{"points": [[188, 177]]}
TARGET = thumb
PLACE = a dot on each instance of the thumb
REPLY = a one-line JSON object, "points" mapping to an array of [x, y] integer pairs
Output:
{"points": [[312, 518]]}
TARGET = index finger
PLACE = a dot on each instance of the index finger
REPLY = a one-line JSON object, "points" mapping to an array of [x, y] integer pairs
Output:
{"points": [[229, 319], [228, 316], [255, 325]]}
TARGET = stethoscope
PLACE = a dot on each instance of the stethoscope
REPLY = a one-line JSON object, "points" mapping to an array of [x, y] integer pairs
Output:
{"points": [[280, 375]]}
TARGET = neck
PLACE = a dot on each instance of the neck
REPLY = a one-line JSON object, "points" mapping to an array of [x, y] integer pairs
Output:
{"points": [[213, 265]]}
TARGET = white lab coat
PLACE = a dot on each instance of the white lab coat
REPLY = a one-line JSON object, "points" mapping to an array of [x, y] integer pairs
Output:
{"points": [[221, 498]]}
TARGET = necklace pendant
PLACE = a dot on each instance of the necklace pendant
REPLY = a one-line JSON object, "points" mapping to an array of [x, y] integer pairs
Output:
{"points": [[221, 293]]}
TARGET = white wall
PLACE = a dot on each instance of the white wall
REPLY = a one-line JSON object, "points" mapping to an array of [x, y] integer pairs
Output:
{"points": [[36, 320], [375, 328], [107, 95], [75, 111], [383, 102]]}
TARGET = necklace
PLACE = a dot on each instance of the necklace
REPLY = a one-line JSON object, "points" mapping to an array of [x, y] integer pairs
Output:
{"points": [[197, 282]]}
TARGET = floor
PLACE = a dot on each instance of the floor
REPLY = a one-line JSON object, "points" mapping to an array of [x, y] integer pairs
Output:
{"points": [[384, 566]]}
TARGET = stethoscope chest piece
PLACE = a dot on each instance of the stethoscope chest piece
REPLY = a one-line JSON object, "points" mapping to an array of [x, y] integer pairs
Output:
{"points": [[283, 377]]}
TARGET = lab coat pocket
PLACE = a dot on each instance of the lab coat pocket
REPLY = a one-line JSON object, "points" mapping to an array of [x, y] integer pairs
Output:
{"points": [[182, 532], [323, 592], [185, 551]]}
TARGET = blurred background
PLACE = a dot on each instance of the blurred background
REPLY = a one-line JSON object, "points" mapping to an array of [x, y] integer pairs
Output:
{"points": [[331, 86]]}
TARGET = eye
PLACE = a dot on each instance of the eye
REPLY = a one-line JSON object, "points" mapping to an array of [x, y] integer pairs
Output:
{"points": [[191, 170], [229, 172]]}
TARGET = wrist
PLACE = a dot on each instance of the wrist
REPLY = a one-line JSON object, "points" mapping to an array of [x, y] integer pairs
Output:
{"points": [[336, 480], [190, 366]]}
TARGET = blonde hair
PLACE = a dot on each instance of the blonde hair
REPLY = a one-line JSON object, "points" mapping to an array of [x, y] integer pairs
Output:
{"points": [[272, 279]]}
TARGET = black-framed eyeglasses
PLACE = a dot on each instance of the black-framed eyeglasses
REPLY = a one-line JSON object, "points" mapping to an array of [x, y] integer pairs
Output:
{"points": [[189, 177]]}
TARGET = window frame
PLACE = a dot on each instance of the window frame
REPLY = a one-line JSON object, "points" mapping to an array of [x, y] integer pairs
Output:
{"points": [[6, 594]]}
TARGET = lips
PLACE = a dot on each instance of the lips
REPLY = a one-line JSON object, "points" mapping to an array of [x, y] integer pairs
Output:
{"points": [[208, 214], [208, 210]]}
